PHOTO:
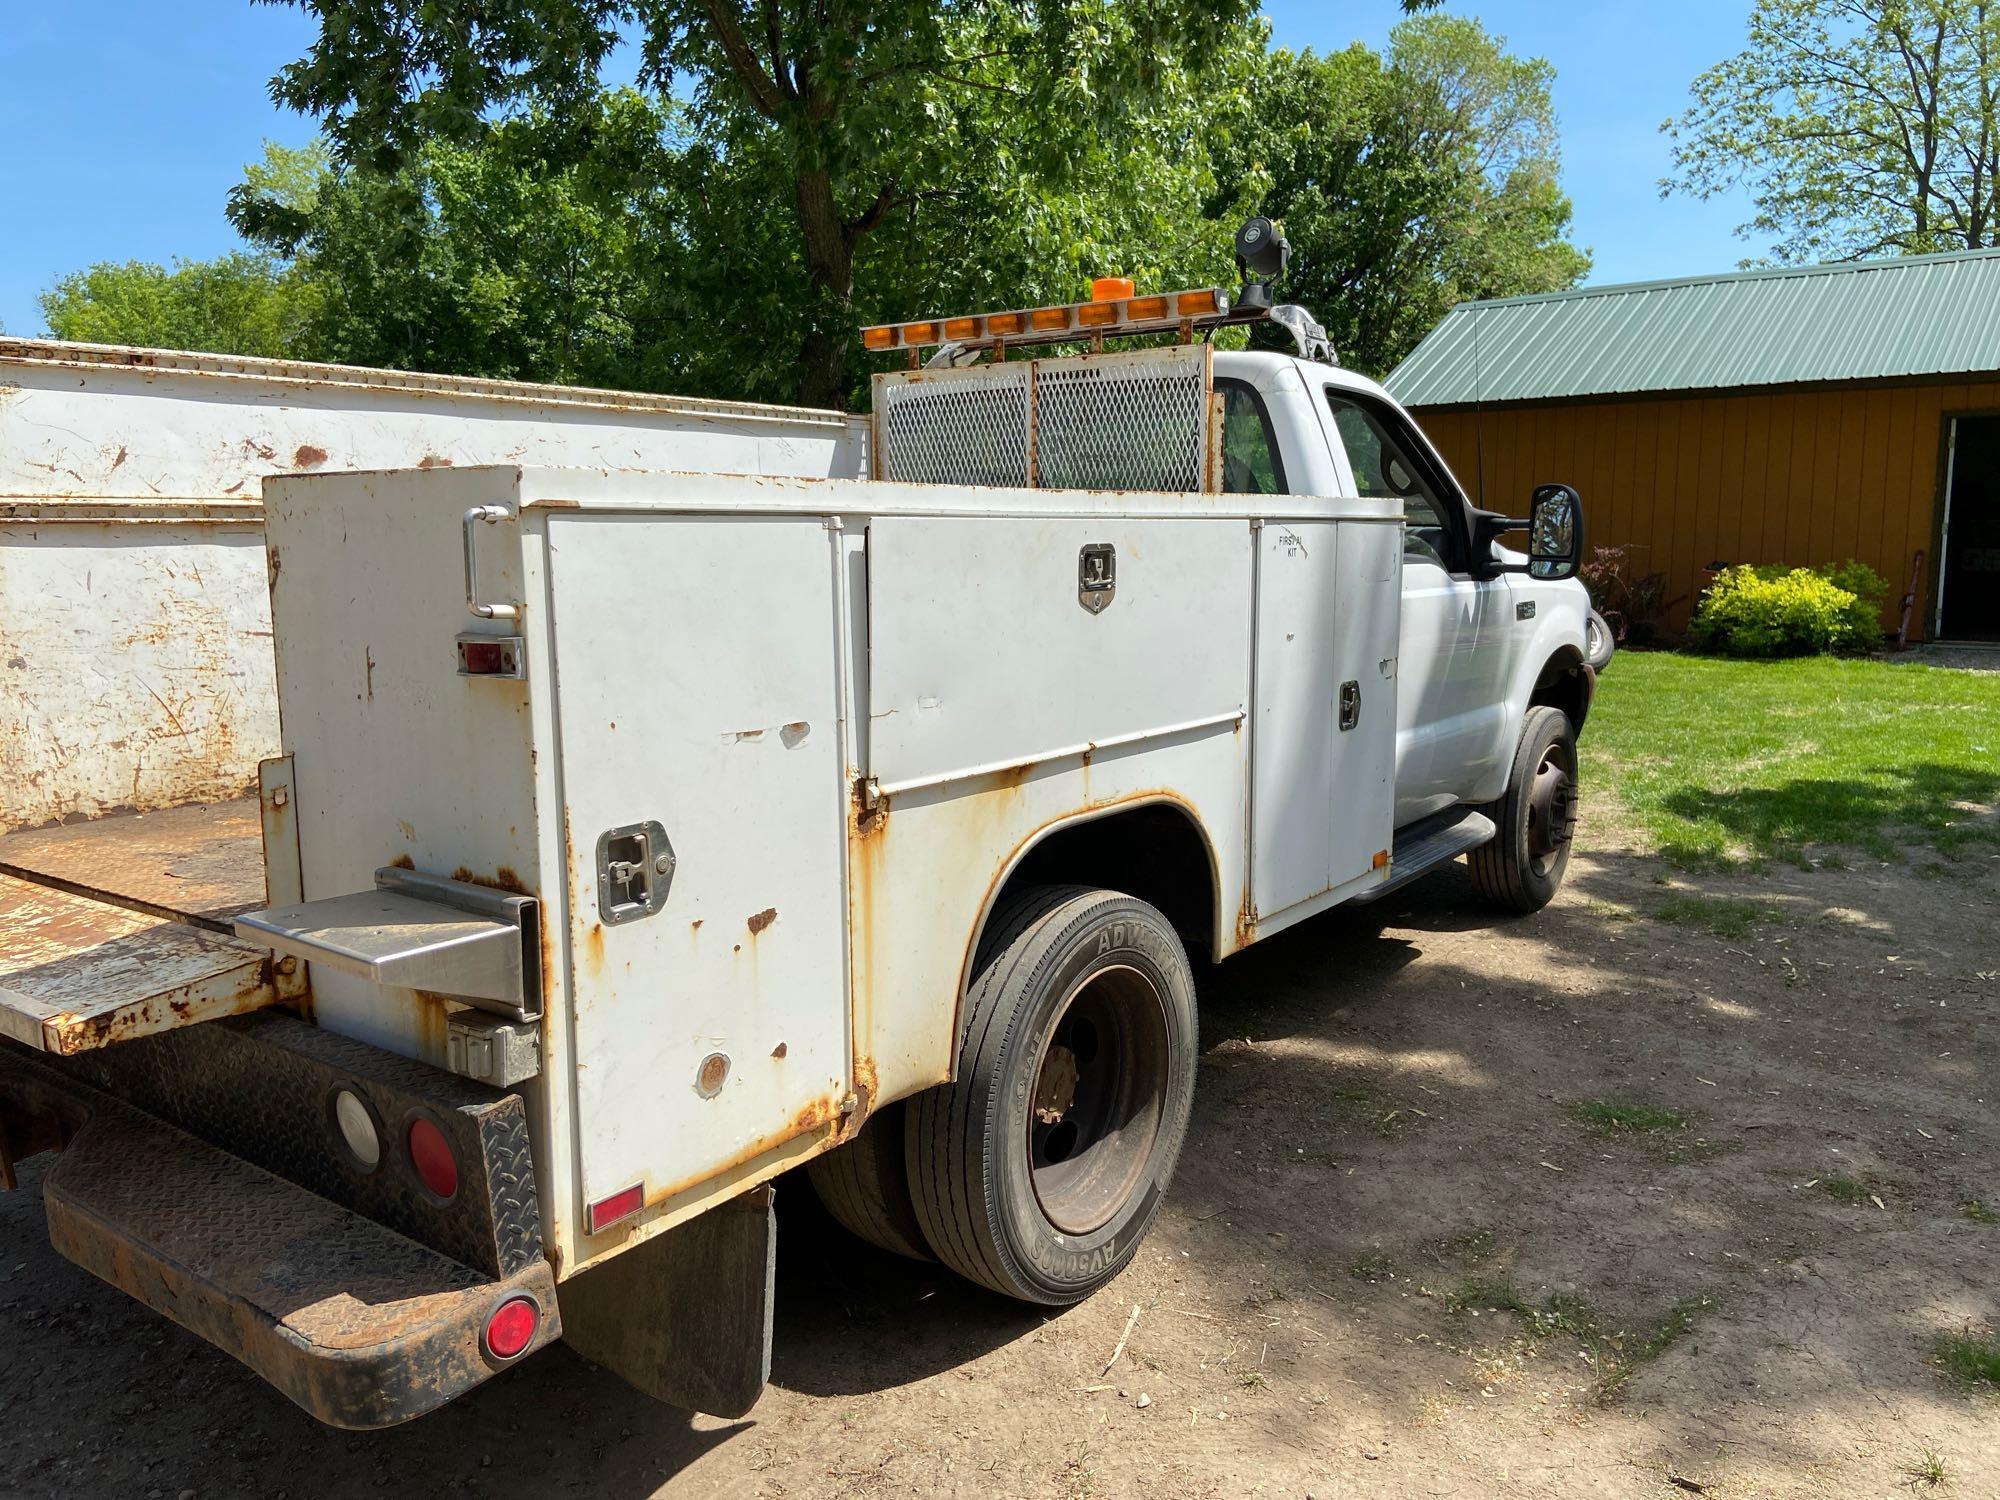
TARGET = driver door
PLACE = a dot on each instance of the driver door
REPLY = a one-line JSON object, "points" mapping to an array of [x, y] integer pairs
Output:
{"points": [[1454, 663]]}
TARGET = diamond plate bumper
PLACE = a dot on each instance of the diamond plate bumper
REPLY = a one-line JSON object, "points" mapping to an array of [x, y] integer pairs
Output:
{"points": [[360, 1325]]}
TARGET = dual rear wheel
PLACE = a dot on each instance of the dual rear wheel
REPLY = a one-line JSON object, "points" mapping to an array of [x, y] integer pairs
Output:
{"points": [[1038, 1170]]}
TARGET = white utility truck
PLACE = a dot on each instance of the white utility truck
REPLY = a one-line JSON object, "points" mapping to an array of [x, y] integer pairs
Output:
{"points": [[636, 836]]}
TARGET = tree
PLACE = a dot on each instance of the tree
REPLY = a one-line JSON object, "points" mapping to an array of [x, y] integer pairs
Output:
{"points": [[847, 112], [1858, 127], [483, 258], [242, 303], [1407, 181]]}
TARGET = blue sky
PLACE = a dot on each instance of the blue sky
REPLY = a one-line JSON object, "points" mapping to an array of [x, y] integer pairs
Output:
{"points": [[124, 123]]}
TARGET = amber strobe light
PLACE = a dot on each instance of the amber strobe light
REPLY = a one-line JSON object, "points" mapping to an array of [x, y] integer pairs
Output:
{"points": [[1113, 308]]}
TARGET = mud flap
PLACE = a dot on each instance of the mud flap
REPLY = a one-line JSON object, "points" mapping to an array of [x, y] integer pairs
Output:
{"points": [[685, 1317]]}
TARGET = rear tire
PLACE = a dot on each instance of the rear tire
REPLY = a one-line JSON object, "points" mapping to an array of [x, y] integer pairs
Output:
{"points": [[1522, 867], [865, 1185], [1039, 1169]]}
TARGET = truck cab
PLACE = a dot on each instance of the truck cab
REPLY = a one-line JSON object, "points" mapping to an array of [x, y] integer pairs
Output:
{"points": [[1477, 644]]}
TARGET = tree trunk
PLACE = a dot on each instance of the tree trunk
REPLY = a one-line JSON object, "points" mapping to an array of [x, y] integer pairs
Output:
{"points": [[829, 246]]}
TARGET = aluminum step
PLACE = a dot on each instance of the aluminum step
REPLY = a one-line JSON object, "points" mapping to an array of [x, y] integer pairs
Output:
{"points": [[1430, 842]]}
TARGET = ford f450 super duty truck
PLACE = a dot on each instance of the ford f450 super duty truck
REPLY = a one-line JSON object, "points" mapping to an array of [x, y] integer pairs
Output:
{"points": [[669, 795]]}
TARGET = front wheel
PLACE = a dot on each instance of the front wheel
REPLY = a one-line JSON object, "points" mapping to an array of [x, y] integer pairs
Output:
{"points": [[1599, 644], [1041, 1166], [1521, 868]]}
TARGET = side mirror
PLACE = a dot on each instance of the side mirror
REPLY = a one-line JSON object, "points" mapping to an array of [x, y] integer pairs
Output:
{"points": [[1555, 535]]}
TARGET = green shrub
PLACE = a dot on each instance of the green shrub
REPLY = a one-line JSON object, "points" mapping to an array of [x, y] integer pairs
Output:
{"points": [[1778, 611], [1870, 590]]}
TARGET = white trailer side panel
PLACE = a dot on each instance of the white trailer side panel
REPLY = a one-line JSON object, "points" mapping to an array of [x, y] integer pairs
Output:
{"points": [[135, 661]]}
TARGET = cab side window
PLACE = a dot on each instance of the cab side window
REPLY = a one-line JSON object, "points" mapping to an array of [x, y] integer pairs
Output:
{"points": [[1386, 468], [1251, 463]]}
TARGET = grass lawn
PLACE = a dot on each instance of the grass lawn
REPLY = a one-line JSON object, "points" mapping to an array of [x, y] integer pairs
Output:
{"points": [[1723, 762]]}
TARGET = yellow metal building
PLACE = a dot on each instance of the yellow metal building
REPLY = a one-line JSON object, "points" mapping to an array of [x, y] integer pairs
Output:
{"points": [[1800, 416]]}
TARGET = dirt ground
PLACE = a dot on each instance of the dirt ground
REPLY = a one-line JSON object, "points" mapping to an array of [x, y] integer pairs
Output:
{"points": [[1384, 1161]]}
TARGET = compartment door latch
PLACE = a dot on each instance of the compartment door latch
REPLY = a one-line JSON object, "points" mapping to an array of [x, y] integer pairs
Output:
{"points": [[635, 869], [1350, 704], [1096, 576]]}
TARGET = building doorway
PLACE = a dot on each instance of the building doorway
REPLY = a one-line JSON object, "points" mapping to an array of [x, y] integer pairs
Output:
{"points": [[1969, 582]]}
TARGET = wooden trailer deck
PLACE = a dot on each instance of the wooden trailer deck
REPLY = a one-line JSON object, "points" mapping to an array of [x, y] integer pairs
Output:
{"points": [[119, 926]]}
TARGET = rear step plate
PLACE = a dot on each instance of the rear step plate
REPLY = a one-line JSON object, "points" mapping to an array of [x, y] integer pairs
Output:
{"points": [[1430, 842], [356, 1323]]}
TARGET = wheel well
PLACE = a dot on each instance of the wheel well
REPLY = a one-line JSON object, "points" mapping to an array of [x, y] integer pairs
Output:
{"points": [[1563, 684], [1156, 852]]}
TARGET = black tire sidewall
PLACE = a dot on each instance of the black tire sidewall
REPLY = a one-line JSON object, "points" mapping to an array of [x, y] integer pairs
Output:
{"points": [[1545, 727], [1117, 931]]}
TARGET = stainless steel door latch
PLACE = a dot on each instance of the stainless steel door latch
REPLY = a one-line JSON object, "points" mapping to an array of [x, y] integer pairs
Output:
{"points": [[1096, 576], [635, 869]]}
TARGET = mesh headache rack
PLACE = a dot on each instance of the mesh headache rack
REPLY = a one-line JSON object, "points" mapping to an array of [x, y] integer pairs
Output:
{"points": [[1145, 419]]}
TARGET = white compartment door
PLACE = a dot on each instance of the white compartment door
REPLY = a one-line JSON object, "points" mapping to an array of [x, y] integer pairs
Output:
{"points": [[1292, 754], [1367, 621], [982, 653], [696, 685]]}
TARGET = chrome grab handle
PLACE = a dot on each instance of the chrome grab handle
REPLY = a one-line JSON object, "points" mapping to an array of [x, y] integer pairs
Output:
{"points": [[489, 514]]}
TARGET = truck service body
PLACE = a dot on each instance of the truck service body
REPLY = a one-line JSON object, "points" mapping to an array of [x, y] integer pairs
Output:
{"points": [[637, 832]]}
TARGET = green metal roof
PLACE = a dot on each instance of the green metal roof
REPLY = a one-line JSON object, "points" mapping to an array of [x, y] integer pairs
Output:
{"points": [[1862, 320]]}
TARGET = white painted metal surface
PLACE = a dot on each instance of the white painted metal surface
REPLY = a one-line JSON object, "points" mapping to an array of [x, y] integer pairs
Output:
{"points": [[696, 665], [135, 666], [948, 593], [693, 660]]}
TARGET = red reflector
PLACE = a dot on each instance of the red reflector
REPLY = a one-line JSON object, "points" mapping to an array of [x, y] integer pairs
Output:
{"points": [[608, 1211], [483, 658], [431, 1154], [512, 1327]]}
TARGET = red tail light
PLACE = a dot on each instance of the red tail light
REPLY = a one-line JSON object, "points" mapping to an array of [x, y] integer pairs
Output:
{"points": [[512, 1327], [430, 1154]]}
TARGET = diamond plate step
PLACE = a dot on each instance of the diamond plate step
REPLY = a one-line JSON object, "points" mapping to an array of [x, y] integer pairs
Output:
{"points": [[357, 1324], [1428, 843]]}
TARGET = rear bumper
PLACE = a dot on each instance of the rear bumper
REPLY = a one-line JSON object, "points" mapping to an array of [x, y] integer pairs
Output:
{"points": [[359, 1324]]}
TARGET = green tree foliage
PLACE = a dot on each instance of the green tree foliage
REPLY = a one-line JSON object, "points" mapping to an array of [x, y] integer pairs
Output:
{"points": [[243, 303], [490, 258], [845, 112], [1407, 181], [623, 238], [1858, 127]]}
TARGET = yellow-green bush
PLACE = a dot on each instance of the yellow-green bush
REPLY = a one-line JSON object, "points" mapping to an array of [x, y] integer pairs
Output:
{"points": [[1777, 611]]}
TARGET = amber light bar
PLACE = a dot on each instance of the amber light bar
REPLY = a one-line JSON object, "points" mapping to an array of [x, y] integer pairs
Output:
{"points": [[1114, 316]]}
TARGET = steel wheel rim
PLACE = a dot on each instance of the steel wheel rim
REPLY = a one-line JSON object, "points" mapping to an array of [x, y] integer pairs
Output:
{"points": [[1099, 1099], [1551, 809]]}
